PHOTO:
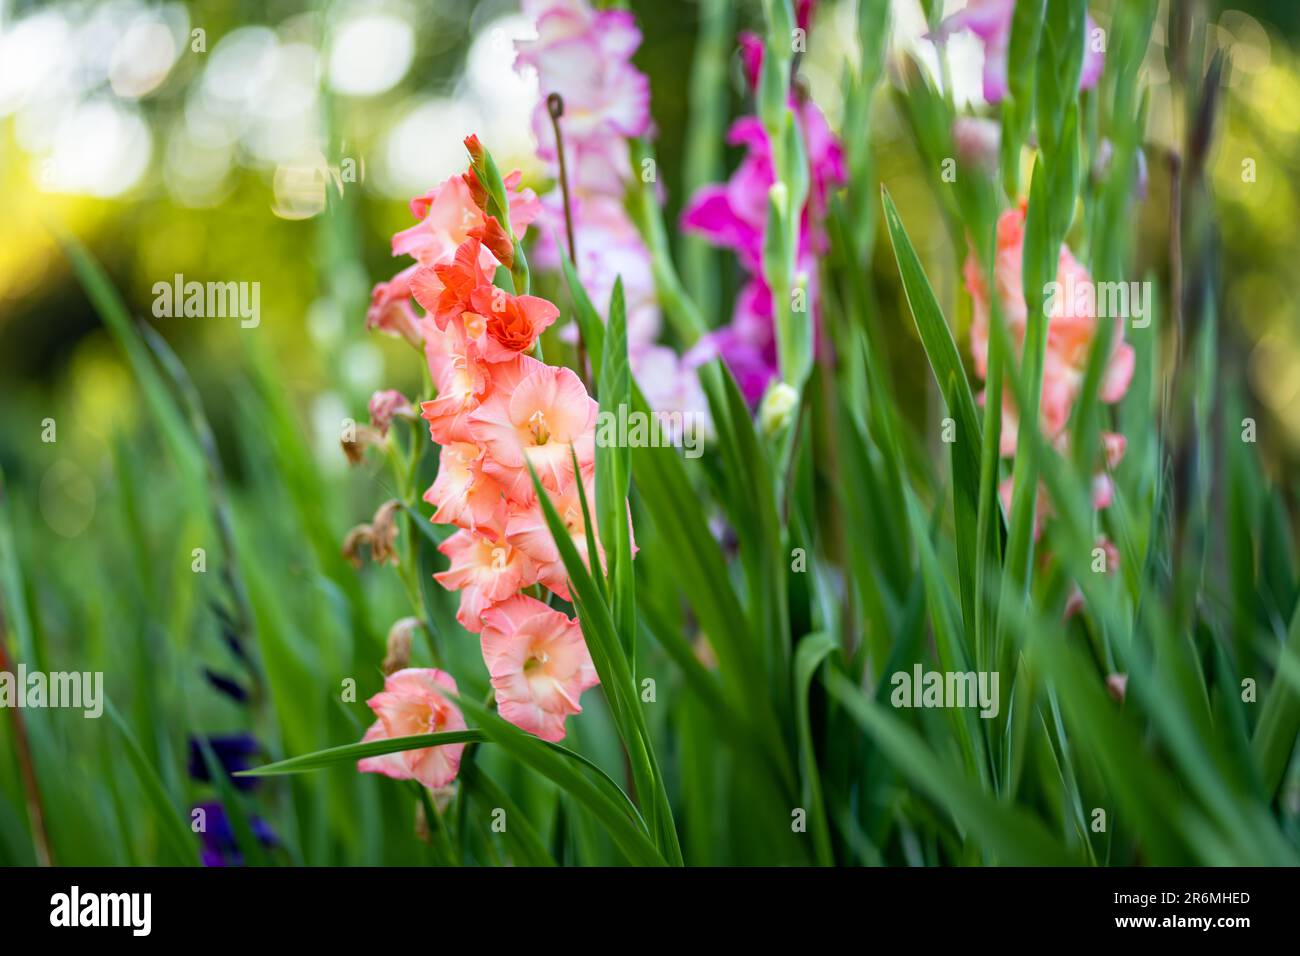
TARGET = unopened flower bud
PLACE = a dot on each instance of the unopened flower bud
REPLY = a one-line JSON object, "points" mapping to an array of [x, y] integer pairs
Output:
{"points": [[1117, 686], [387, 405], [779, 195], [976, 141], [777, 409]]}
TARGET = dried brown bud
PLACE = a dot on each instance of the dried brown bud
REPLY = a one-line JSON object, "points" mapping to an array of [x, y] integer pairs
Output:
{"points": [[384, 533], [356, 440], [400, 637], [361, 534]]}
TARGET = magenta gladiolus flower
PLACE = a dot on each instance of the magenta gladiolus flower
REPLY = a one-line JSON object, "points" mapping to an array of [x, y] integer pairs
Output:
{"points": [[733, 215]]}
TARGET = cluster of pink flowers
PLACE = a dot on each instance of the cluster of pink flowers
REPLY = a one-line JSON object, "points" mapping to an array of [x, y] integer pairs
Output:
{"points": [[584, 55], [733, 215], [1072, 324], [497, 411]]}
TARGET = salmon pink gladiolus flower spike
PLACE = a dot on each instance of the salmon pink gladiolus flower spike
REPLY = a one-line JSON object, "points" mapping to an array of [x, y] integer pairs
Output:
{"points": [[496, 413], [1072, 326], [1070, 331]]}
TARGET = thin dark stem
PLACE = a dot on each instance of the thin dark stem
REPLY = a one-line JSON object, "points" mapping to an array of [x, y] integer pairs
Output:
{"points": [[555, 106], [27, 769]]}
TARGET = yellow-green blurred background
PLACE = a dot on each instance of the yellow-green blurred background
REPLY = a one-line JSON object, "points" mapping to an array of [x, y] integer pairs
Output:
{"points": [[278, 142]]}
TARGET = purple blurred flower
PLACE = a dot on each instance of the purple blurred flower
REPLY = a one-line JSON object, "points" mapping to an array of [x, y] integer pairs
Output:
{"points": [[233, 752], [218, 836]]}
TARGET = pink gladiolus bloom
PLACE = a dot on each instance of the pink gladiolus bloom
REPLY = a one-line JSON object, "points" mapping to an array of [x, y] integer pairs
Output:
{"points": [[498, 324], [485, 571], [390, 309], [445, 289], [585, 56], [413, 702], [671, 386], [527, 530], [538, 421], [502, 325], [539, 665], [461, 380], [463, 494], [990, 20], [609, 248], [747, 345], [449, 214]]}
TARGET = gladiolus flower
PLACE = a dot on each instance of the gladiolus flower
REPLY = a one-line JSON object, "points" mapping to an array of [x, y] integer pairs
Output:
{"points": [[502, 325], [1071, 327], [463, 494], [538, 422], [585, 56], [413, 702], [390, 309], [527, 530], [461, 380], [445, 289], [449, 215], [539, 665], [733, 215], [485, 571], [990, 21]]}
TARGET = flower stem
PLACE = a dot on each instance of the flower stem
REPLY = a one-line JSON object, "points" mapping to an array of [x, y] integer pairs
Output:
{"points": [[555, 107]]}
